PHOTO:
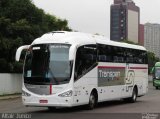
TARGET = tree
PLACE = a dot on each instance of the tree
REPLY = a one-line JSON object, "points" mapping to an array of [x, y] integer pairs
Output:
{"points": [[129, 42], [20, 23]]}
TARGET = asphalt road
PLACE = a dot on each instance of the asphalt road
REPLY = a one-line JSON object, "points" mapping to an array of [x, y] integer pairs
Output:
{"points": [[150, 103]]}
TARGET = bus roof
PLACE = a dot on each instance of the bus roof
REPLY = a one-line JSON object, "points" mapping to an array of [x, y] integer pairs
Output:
{"points": [[78, 38], [157, 64]]}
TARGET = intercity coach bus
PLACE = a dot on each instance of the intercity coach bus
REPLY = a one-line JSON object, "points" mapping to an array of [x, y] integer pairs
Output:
{"points": [[65, 69], [156, 75]]}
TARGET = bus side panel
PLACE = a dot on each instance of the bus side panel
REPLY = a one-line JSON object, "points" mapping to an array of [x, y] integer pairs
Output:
{"points": [[140, 78], [83, 87], [111, 81], [111, 87]]}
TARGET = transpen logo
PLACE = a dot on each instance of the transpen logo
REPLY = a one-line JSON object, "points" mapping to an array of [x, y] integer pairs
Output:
{"points": [[110, 75], [130, 77]]}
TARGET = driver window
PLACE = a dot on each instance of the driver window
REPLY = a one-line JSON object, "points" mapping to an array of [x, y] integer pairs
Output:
{"points": [[86, 57]]}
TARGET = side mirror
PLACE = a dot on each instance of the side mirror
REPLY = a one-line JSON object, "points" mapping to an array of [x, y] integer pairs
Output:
{"points": [[19, 51]]}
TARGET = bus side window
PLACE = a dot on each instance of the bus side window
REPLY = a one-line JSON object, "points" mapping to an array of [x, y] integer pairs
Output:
{"points": [[129, 56], [104, 53], [86, 57], [102, 58]]}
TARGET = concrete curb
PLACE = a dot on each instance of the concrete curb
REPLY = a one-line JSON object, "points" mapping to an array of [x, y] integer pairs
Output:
{"points": [[5, 97]]}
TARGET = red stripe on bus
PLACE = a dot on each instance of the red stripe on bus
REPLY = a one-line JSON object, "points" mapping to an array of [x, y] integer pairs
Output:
{"points": [[138, 68], [114, 67], [50, 89]]}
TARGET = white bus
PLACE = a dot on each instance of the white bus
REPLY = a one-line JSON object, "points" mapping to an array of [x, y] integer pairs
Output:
{"points": [[65, 69]]}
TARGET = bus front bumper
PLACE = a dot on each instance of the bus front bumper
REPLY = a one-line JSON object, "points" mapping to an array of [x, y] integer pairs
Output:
{"points": [[47, 101]]}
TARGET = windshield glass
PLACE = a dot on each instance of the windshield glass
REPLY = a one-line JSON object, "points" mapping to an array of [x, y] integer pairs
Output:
{"points": [[157, 72], [48, 64]]}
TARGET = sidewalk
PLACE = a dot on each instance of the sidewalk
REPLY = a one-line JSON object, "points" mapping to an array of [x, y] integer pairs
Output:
{"points": [[11, 96]]}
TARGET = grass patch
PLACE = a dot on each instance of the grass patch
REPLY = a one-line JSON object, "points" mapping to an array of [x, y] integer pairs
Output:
{"points": [[4, 95]]}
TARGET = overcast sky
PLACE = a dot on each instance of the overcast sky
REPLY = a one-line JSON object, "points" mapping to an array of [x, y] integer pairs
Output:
{"points": [[93, 16]]}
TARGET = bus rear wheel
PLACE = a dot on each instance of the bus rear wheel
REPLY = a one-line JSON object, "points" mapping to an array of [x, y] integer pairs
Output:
{"points": [[133, 99], [134, 96]]}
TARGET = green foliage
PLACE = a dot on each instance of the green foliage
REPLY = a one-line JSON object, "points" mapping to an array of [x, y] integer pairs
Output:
{"points": [[152, 59], [20, 23], [3, 65], [129, 42], [17, 67]]}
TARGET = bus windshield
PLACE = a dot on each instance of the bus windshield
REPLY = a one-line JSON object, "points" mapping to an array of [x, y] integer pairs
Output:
{"points": [[48, 64], [157, 72]]}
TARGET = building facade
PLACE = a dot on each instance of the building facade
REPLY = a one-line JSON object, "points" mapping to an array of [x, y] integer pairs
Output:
{"points": [[125, 20], [152, 38], [141, 35]]}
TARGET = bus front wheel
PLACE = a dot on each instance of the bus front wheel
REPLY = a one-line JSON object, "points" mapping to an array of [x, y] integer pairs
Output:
{"points": [[92, 100]]}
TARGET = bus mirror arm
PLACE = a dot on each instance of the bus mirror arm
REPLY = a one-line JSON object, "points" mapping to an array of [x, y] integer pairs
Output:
{"points": [[19, 51]]}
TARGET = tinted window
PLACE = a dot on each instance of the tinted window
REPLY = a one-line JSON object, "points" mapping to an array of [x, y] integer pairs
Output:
{"points": [[107, 53], [136, 56], [86, 58], [48, 64], [104, 53]]}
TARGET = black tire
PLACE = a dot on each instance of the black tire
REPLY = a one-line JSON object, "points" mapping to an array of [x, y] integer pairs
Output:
{"points": [[92, 101], [132, 99], [156, 87]]}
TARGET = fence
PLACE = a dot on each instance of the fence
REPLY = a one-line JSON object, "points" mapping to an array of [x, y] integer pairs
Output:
{"points": [[10, 83]]}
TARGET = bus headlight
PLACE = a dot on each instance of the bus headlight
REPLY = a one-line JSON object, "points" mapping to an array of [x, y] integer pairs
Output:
{"points": [[25, 93], [66, 94]]}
